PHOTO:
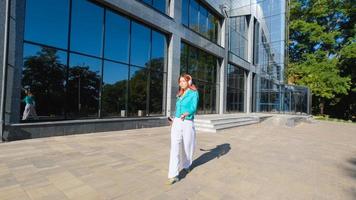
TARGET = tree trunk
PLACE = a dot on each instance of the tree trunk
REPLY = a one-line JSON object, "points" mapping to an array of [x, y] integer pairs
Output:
{"points": [[321, 106]]}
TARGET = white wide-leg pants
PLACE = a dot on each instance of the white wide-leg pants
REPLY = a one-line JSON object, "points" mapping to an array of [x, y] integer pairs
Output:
{"points": [[182, 132], [29, 111]]}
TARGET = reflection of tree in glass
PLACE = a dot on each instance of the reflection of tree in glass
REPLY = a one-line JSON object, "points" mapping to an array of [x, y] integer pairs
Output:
{"points": [[45, 76], [156, 86], [138, 90], [113, 98], [83, 90]]}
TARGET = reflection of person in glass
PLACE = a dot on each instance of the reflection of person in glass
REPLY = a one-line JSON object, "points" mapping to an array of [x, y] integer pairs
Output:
{"points": [[30, 106], [183, 131]]}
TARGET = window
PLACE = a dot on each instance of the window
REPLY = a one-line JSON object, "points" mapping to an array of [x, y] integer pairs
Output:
{"points": [[156, 93], [194, 15], [114, 89], [117, 37], [198, 18], [160, 5], [84, 76], [235, 89], [203, 21], [238, 34], [185, 12], [138, 92], [47, 23], [140, 45], [110, 66], [203, 68], [256, 39], [159, 46], [49, 93], [87, 28]]}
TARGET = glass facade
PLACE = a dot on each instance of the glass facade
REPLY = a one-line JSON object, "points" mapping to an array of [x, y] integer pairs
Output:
{"points": [[203, 68], [83, 60], [199, 18], [160, 5], [269, 96], [295, 99], [239, 36], [91, 59], [236, 78]]}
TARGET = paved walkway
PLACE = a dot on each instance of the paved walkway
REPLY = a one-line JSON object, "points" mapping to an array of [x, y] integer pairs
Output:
{"points": [[262, 161]]}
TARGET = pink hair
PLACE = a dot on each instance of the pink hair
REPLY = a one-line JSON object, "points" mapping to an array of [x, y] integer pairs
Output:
{"points": [[188, 78]]}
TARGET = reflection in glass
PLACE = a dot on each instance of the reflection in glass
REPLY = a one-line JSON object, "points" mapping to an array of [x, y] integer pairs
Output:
{"points": [[47, 23], [44, 74], [194, 15], [202, 67], [193, 61], [238, 34], [140, 44], [160, 5], [117, 37], [157, 4], [87, 25], [184, 58], [72, 92], [185, 13], [114, 89], [83, 86], [138, 91], [156, 93], [203, 21], [158, 51], [235, 89]]}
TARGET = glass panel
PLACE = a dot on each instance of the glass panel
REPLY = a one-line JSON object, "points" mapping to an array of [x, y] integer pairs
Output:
{"points": [[202, 67], [193, 62], [147, 1], [117, 37], [208, 99], [216, 29], [210, 69], [160, 5], [203, 21], [87, 25], [138, 91], [44, 75], [184, 58], [212, 28], [194, 15], [156, 93], [200, 73], [158, 51], [114, 89], [83, 86], [47, 23], [200, 85], [185, 14], [140, 45]]}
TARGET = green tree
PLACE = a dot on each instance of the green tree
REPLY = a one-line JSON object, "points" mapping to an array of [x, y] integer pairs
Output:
{"points": [[320, 33], [48, 92]]}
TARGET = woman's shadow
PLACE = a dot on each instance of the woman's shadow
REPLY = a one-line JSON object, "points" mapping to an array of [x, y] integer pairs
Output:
{"points": [[210, 154]]}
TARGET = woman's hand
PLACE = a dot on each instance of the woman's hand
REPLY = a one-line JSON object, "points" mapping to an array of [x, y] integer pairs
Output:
{"points": [[184, 115], [170, 121]]}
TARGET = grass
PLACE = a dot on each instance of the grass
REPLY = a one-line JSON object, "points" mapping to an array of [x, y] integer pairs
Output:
{"points": [[327, 118]]}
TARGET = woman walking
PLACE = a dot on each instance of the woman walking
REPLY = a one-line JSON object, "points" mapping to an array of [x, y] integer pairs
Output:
{"points": [[30, 106], [182, 130]]}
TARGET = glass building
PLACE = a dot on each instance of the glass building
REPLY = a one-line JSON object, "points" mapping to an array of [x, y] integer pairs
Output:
{"points": [[111, 65]]}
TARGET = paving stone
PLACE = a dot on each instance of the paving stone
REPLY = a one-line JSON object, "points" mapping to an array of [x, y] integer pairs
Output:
{"points": [[263, 161]]}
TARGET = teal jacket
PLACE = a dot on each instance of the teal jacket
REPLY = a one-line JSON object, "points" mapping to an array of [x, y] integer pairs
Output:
{"points": [[29, 100], [187, 103]]}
